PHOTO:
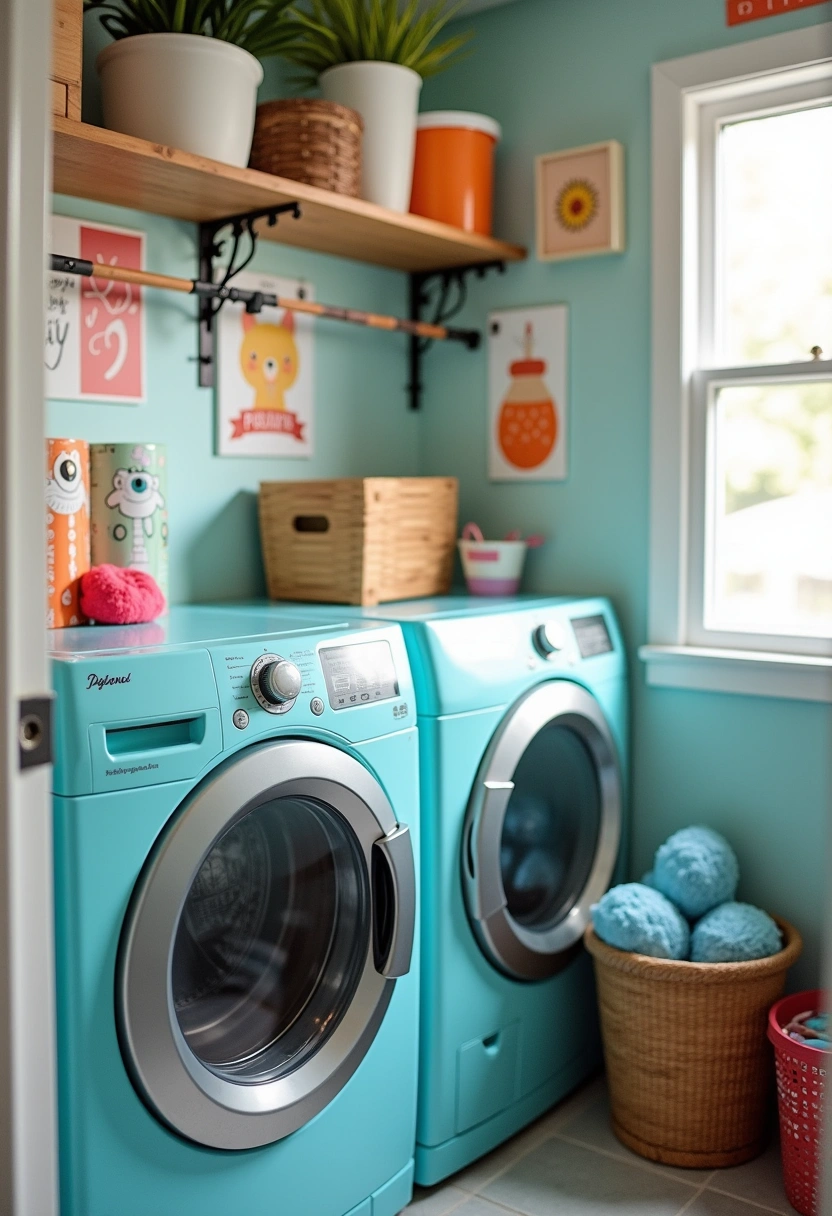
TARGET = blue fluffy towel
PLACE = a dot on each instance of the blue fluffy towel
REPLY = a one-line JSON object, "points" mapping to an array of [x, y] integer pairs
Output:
{"points": [[697, 869], [635, 917], [734, 933]]}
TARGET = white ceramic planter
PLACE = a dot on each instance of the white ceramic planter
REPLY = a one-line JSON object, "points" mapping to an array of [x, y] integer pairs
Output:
{"points": [[386, 96], [190, 92]]}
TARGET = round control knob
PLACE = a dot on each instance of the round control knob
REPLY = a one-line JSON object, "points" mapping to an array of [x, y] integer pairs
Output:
{"points": [[280, 682], [548, 639], [275, 683]]}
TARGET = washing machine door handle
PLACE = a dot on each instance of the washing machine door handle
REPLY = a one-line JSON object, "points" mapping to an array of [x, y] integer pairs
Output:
{"points": [[484, 845], [394, 902]]}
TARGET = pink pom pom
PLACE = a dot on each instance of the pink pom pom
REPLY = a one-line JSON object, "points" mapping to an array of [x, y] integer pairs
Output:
{"points": [[111, 595]]}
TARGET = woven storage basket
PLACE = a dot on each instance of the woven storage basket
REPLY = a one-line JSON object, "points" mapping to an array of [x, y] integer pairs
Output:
{"points": [[688, 1062], [316, 142], [358, 540]]}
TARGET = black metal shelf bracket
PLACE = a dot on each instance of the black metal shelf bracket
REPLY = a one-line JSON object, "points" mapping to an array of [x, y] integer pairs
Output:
{"points": [[211, 248], [450, 290]]}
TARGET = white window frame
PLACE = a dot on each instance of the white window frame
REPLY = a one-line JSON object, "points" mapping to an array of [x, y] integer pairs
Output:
{"points": [[688, 97]]}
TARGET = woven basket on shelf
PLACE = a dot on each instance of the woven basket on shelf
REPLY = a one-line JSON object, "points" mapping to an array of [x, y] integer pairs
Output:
{"points": [[358, 540], [688, 1063], [316, 142]]}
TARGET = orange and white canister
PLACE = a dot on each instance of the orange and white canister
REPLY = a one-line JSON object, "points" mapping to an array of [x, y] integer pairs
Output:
{"points": [[67, 529], [453, 174]]}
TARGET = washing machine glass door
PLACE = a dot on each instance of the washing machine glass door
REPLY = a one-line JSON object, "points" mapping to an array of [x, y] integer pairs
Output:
{"points": [[542, 830], [262, 943]]}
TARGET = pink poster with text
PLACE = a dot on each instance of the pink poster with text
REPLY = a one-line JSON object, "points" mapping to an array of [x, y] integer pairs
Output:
{"points": [[94, 339], [111, 350]]}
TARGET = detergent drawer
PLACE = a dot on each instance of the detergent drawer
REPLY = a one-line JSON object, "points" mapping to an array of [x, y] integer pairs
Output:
{"points": [[151, 751], [488, 1074], [129, 719]]}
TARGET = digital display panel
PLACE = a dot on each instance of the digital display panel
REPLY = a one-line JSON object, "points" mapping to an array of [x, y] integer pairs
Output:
{"points": [[359, 675], [592, 636]]}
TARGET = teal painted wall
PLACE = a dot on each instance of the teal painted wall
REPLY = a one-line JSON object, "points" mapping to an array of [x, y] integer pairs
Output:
{"points": [[556, 74], [362, 422]]}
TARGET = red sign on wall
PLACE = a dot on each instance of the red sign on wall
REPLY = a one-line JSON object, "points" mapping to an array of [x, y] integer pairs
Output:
{"points": [[111, 322], [738, 11], [94, 333]]}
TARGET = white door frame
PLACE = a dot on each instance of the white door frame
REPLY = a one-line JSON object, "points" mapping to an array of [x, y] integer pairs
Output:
{"points": [[28, 1156]]}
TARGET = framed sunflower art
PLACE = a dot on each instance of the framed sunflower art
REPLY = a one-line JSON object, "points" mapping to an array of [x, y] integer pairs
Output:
{"points": [[580, 202]]}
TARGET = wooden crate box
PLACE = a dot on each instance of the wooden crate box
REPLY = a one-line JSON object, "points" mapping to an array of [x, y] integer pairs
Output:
{"points": [[358, 540]]}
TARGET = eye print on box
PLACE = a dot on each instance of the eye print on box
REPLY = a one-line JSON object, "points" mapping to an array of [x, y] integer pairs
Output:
{"points": [[135, 495]]}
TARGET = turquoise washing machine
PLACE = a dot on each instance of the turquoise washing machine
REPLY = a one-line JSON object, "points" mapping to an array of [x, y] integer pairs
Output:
{"points": [[522, 707], [235, 896]]}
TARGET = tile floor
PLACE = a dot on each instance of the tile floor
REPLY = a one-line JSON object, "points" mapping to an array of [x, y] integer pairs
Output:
{"points": [[569, 1163]]}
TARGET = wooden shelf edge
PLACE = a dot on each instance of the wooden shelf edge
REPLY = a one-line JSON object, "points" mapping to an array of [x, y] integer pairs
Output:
{"points": [[105, 166]]}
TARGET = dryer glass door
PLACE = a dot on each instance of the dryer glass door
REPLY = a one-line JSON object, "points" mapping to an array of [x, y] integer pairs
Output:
{"points": [[262, 943], [542, 830], [551, 827]]}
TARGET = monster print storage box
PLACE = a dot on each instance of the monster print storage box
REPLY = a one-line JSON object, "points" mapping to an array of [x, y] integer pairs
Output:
{"points": [[358, 540]]}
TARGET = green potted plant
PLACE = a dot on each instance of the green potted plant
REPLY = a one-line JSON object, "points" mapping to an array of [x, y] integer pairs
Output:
{"points": [[372, 55], [186, 72]]}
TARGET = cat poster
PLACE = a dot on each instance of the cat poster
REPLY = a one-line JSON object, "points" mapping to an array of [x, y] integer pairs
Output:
{"points": [[527, 387], [94, 344], [265, 387]]}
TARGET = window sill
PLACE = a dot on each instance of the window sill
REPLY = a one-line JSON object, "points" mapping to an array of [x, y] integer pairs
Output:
{"points": [[752, 673]]}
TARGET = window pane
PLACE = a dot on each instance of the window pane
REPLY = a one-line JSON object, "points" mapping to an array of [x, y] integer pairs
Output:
{"points": [[771, 556], [775, 238]]}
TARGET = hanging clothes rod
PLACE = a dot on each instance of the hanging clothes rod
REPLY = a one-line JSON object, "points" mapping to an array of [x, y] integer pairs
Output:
{"points": [[256, 300]]}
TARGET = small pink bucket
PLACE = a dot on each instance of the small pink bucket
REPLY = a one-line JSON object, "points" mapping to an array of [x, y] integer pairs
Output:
{"points": [[491, 567]]}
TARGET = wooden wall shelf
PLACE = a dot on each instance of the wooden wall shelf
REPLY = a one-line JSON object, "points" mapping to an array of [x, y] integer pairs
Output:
{"points": [[91, 162]]}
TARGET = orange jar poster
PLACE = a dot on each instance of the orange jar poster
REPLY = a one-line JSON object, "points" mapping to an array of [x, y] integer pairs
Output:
{"points": [[67, 529], [527, 394]]}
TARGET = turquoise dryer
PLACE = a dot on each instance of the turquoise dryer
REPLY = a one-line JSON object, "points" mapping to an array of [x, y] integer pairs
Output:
{"points": [[522, 707], [235, 904]]}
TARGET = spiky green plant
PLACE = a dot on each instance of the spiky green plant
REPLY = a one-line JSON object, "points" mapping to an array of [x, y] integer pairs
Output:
{"points": [[263, 27], [330, 32]]}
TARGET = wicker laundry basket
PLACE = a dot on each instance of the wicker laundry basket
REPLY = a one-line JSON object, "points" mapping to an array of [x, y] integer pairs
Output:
{"points": [[316, 142], [688, 1063]]}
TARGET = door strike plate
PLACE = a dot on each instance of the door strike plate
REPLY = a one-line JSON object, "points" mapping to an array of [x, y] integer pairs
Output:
{"points": [[34, 731]]}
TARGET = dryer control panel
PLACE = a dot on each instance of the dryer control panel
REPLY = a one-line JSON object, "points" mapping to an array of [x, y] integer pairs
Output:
{"points": [[592, 635]]}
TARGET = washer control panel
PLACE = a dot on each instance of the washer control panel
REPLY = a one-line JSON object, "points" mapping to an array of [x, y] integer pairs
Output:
{"points": [[275, 682], [359, 674], [295, 681]]}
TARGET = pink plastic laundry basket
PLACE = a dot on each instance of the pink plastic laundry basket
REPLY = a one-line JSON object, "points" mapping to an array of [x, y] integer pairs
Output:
{"points": [[801, 1074]]}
